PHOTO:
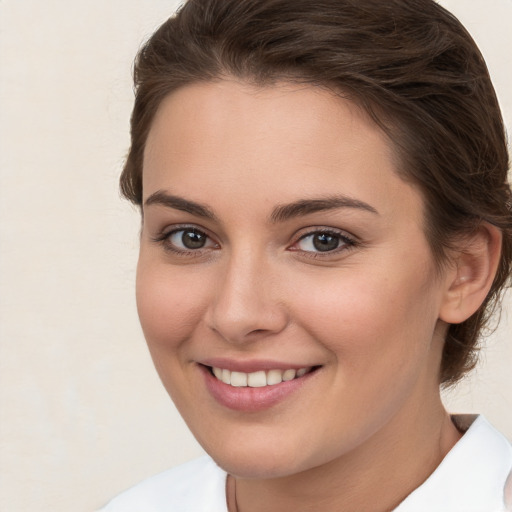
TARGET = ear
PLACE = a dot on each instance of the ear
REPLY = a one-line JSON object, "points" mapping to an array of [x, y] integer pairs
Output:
{"points": [[470, 278]]}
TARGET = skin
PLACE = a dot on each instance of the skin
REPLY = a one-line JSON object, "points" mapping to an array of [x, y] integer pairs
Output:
{"points": [[368, 427]]}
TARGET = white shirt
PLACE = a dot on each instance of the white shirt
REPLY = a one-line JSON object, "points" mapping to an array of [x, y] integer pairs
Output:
{"points": [[471, 478]]}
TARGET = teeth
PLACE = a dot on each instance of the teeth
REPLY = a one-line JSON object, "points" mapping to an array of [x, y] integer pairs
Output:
{"points": [[226, 376], [289, 375], [274, 377], [238, 379], [302, 372], [258, 379]]}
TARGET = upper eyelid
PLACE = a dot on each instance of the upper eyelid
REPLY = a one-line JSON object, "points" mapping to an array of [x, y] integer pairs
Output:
{"points": [[184, 227], [304, 232]]}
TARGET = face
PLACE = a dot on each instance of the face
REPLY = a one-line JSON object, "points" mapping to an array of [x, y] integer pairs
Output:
{"points": [[285, 285]]}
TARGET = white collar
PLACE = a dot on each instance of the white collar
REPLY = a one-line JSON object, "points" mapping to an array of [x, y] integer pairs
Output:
{"points": [[472, 476]]}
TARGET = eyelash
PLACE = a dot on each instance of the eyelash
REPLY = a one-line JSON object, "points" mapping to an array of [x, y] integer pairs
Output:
{"points": [[345, 242], [165, 239]]}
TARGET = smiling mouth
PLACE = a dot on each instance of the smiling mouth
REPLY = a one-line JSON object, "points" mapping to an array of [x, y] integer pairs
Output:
{"points": [[260, 378]]}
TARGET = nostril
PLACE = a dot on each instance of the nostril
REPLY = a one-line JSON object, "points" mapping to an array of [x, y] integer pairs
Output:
{"points": [[258, 331]]}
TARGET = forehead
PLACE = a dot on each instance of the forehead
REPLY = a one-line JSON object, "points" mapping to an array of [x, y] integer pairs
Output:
{"points": [[293, 112], [295, 139]]}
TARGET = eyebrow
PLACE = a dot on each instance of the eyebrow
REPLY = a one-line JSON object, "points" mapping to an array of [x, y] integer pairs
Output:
{"points": [[280, 213], [179, 203], [308, 206]]}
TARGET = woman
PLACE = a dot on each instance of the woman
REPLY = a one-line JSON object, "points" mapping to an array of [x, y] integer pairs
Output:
{"points": [[326, 226]]}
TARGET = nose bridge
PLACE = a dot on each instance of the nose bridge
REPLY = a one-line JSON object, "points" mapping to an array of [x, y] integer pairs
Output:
{"points": [[246, 301]]}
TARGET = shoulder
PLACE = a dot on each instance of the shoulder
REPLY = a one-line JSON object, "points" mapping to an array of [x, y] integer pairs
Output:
{"points": [[473, 476], [197, 485]]}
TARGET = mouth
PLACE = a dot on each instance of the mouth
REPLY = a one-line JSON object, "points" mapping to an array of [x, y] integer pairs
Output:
{"points": [[263, 384], [259, 379]]}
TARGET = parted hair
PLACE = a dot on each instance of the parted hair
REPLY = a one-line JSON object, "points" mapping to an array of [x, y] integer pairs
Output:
{"points": [[410, 64]]}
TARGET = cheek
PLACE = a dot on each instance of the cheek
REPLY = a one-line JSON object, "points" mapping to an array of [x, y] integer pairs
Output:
{"points": [[370, 319], [379, 334], [169, 302]]}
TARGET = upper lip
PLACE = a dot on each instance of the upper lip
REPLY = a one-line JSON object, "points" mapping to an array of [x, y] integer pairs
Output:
{"points": [[251, 365]]}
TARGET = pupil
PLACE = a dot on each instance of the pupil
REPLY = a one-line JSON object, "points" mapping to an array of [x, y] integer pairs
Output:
{"points": [[193, 240], [325, 242]]}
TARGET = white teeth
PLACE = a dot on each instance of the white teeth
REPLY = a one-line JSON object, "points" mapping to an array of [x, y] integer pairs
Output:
{"points": [[226, 376], [238, 379], [274, 377], [258, 379], [289, 375]]}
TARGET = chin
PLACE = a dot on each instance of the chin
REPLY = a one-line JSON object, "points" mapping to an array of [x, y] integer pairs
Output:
{"points": [[261, 460], [257, 467]]}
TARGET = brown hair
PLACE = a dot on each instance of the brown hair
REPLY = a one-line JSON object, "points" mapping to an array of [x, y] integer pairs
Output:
{"points": [[409, 63]]}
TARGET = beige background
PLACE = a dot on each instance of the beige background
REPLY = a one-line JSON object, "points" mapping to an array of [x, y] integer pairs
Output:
{"points": [[82, 412]]}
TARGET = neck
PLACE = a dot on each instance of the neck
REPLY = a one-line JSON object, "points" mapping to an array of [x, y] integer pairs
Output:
{"points": [[376, 476]]}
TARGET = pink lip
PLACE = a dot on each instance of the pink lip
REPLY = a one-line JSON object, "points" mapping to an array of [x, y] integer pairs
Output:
{"points": [[246, 399]]}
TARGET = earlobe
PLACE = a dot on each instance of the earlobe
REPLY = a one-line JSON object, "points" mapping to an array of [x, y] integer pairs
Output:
{"points": [[472, 274]]}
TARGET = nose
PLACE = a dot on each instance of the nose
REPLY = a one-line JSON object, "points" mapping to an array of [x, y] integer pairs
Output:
{"points": [[246, 304]]}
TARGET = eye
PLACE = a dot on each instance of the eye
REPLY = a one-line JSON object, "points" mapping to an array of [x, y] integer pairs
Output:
{"points": [[186, 240], [323, 242]]}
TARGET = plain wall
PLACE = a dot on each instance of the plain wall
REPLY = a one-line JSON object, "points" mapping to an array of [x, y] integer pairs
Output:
{"points": [[82, 413]]}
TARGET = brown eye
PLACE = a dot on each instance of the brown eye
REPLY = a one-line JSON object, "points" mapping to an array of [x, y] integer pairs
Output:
{"points": [[320, 242], [189, 239], [193, 239], [317, 242], [325, 242]]}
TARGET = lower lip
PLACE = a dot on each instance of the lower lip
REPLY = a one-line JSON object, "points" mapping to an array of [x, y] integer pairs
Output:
{"points": [[249, 399]]}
